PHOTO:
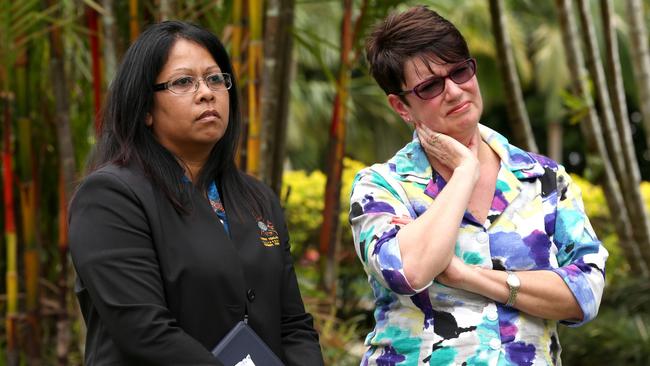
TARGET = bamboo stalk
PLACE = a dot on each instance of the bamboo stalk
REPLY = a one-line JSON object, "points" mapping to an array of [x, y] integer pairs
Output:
{"points": [[63, 319], [330, 229], [93, 27], [254, 62], [134, 26], [235, 45], [235, 55], [11, 275]]}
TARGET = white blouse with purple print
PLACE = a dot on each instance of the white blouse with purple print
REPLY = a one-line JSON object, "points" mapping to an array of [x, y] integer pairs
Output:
{"points": [[536, 222]]}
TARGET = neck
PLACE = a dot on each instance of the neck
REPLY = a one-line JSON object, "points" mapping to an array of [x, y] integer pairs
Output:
{"points": [[192, 166], [465, 137]]}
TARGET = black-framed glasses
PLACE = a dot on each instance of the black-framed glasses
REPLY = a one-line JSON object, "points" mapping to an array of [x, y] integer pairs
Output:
{"points": [[190, 84], [434, 86]]}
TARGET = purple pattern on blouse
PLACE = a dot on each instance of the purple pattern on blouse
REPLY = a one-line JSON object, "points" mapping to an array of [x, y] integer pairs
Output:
{"points": [[370, 205], [389, 357], [521, 353], [423, 302], [390, 234], [539, 246], [396, 281], [549, 223], [499, 202], [507, 327]]}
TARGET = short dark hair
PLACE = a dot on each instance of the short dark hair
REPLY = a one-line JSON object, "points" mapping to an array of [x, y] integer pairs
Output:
{"points": [[125, 139], [416, 32]]}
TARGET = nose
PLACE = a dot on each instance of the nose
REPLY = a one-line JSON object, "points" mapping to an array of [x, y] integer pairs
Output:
{"points": [[203, 92], [452, 90]]}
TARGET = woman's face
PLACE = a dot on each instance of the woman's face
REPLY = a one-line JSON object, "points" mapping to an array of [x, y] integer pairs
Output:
{"points": [[189, 125], [455, 112]]}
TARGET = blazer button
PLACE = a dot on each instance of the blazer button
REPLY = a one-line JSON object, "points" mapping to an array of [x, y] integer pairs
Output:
{"points": [[250, 294]]}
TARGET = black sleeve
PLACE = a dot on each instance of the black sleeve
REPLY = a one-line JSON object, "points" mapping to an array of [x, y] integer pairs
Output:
{"points": [[113, 254], [299, 339]]}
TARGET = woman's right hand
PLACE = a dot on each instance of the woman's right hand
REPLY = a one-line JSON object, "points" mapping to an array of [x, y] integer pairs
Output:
{"points": [[448, 151]]}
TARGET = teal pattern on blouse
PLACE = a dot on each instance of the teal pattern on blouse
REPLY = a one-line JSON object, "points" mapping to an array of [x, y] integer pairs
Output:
{"points": [[217, 206], [536, 222]]}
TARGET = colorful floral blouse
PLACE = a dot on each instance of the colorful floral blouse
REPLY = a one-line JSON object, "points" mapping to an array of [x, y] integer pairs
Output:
{"points": [[536, 222]]}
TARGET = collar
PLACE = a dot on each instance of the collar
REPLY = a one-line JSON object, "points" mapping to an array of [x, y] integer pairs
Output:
{"points": [[522, 164]]}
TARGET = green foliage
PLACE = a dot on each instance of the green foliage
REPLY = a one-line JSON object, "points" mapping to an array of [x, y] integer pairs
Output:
{"points": [[303, 203], [620, 335], [342, 326]]}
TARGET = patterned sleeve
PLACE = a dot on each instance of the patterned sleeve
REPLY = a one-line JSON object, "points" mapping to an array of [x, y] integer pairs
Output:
{"points": [[581, 256], [376, 211]]}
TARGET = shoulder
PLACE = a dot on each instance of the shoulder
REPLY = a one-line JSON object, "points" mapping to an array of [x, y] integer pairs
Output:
{"points": [[257, 185], [375, 173], [545, 161], [265, 195], [112, 177]]}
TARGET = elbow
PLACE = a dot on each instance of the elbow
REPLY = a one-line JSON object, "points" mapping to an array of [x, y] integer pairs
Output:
{"points": [[416, 282], [418, 279], [418, 274]]}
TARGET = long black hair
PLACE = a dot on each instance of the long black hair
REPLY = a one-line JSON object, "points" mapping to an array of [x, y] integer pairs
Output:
{"points": [[125, 139]]}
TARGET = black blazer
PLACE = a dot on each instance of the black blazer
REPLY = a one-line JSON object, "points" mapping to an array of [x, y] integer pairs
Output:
{"points": [[157, 287]]}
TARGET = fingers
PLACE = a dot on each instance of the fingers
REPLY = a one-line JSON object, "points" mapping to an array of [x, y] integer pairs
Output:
{"points": [[435, 138]]}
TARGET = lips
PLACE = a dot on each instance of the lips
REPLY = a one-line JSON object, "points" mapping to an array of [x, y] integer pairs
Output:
{"points": [[208, 114], [457, 108]]}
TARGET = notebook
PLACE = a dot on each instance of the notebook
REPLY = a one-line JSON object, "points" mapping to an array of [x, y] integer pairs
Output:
{"points": [[242, 347]]}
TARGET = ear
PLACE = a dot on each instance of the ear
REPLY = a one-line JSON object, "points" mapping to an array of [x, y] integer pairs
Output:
{"points": [[400, 107], [148, 120]]}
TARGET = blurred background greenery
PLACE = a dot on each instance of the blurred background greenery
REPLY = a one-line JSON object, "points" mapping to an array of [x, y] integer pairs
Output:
{"points": [[314, 118]]}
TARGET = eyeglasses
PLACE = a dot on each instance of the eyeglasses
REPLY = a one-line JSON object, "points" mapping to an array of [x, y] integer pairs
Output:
{"points": [[434, 86], [190, 84]]}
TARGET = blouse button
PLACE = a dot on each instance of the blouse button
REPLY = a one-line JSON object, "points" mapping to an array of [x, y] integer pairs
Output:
{"points": [[482, 237], [495, 343], [492, 316], [250, 294]]}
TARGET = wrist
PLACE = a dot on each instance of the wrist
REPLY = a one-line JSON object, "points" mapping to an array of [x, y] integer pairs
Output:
{"points": [[514, 283], [468, 170]]}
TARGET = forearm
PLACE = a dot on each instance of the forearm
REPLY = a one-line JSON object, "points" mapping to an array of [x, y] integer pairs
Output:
{"points": [[427, 243], [542, 293]]}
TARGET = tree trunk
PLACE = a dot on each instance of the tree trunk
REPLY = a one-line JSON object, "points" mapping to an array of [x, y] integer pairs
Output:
{"points": [[517, 114], [165, 10], [590, 127], [336, 150], [554, 140], [93, 27], [640, 60], [67, 171], [110, 41], [276, 76], [632, 181], [597, 73]]}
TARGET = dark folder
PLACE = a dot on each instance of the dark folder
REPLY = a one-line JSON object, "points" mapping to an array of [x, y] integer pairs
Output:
{"points": [[242, 343]]}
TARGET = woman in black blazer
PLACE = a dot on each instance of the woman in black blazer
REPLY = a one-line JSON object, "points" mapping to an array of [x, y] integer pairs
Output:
{"points": [[171, 243]]}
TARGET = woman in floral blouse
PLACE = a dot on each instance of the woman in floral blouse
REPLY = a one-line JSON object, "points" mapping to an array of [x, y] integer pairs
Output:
{"points": [[474, 248]]}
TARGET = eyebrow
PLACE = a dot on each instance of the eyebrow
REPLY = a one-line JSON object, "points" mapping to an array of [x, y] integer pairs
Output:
{"points": [[187, 69]]}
